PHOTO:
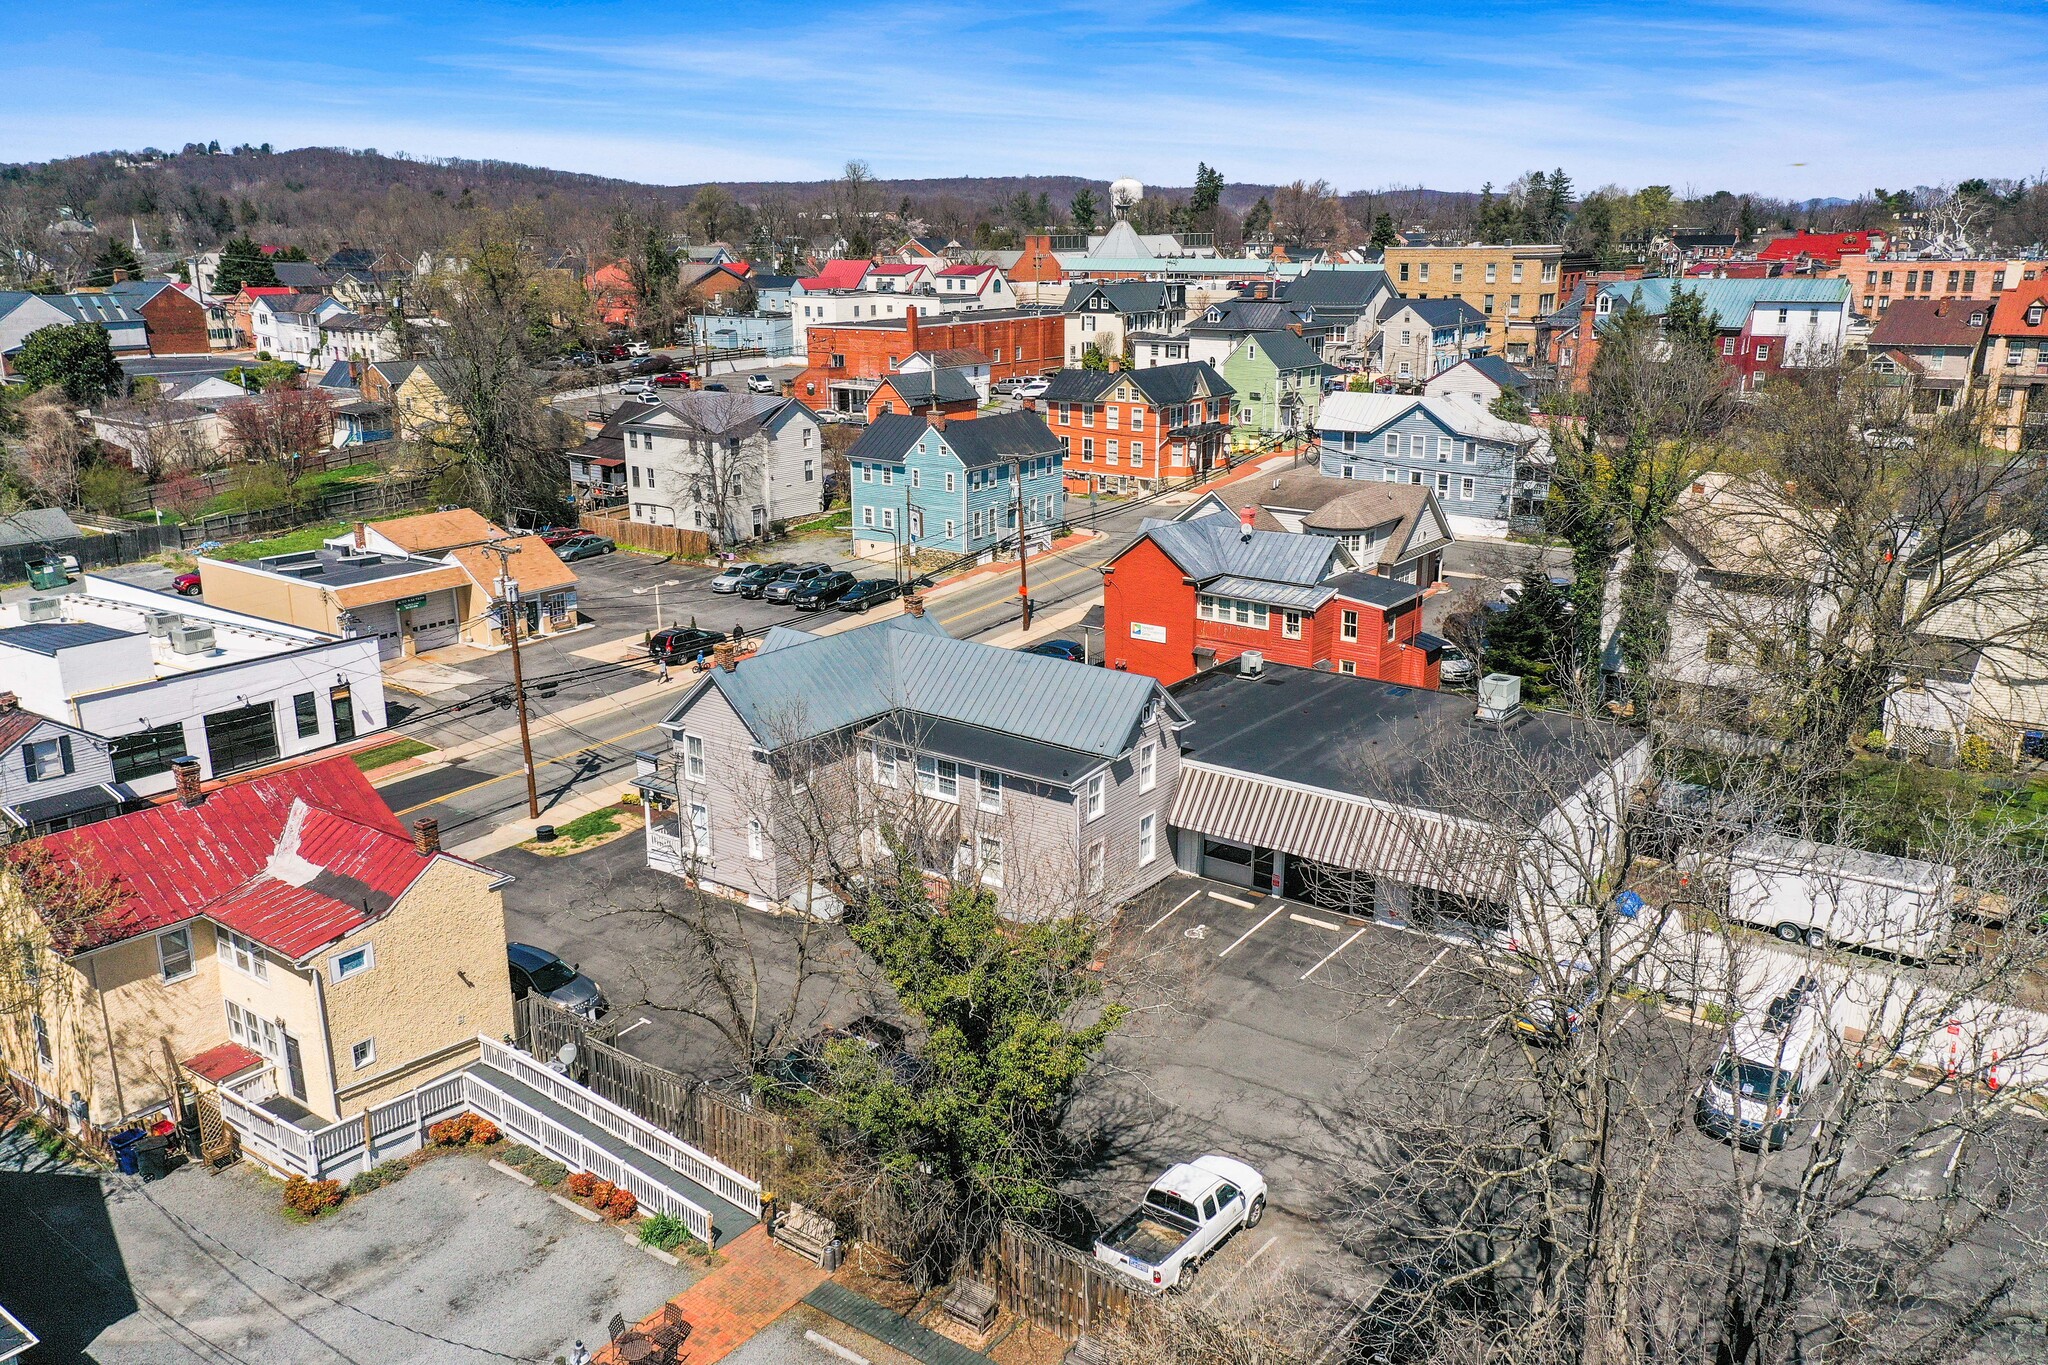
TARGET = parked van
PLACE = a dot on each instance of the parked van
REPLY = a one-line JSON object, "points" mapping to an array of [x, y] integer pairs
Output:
{"points": [[1824, 893], [1769, 1067]]}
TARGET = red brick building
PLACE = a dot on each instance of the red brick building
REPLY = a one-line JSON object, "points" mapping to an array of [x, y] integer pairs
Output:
{"points": [[175, 321], [1190, 595], [1126, 428], [1020, 343], [942, 395]]}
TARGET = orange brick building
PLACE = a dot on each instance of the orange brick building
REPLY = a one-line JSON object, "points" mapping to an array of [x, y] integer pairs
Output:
{"points": [[1125, 428], [848, 360], [1189, 595]]}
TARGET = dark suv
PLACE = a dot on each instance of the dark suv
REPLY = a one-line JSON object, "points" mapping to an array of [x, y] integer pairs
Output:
{"points": [[681, 642], [821, 592], [756, 580], [785, 587], [867, 592]]}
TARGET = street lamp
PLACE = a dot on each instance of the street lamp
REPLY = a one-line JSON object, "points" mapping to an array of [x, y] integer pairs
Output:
{"points": [[656, 590]]}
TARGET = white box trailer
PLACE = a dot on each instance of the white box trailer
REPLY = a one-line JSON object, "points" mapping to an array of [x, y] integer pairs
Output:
{"points": [[1824, 893]]}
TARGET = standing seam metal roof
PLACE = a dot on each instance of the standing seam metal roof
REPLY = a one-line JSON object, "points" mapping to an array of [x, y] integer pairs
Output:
{"points": [[1218, 545]]}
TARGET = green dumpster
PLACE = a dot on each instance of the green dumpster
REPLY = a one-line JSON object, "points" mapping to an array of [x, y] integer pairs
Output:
{"points": [[47, 573]]}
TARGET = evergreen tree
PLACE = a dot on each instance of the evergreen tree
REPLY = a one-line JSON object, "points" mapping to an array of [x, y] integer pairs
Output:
{"points": [[1083, 209], [1687, 322], [1208, 190], [1747, 223], [1259, 217], [1532, 638], [1383, 234], [290, 253], [115, 255], [1557, 205], [242, 262]]}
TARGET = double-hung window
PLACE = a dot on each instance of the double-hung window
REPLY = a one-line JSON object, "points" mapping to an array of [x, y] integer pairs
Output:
{"points": [[46, 758], [700, 829], [938, 777], [1148, 766], [1095, 866], [693, 757], [1148, 838], [1095, 796], [990, 791], [885, 765], [1349, 625], [174, 954], [991, 860], [242, 954], [757, 843]]}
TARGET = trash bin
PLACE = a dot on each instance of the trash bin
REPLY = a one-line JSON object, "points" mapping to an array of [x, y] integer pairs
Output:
{"points": [[188, 1133], [47, 573], [123, 1146], [153, 1158]]}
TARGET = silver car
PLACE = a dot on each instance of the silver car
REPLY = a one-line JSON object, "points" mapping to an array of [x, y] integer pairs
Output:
{"points": [[1455, 666]]}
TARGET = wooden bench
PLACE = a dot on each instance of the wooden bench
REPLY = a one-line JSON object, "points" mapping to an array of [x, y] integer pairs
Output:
{"points": [[972, 1304], [810, 1235]]}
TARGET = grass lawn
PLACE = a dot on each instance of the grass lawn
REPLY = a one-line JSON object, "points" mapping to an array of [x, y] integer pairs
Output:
{"points": [[1900, 803], [838, 519], [328, 480], [304, 538], [396, 751], [589, 831]]}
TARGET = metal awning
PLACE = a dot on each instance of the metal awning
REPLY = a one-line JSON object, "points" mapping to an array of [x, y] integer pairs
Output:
{"points": [[1293, 596], [1406, 844]]}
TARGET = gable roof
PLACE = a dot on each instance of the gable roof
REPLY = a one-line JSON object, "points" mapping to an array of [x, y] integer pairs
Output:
{"points": [[1124, 296], [1728, 302], [34, 525], [943, 385], [1460, 414], [293, 859], [2010, 320], [888, 437], [434, 532], [1162, 385], [1001, 437], [1339, 290], [533, 565], [1219, 546], [711, 412], [1437, 312], [1250, 315], [1286, 350], [1337, 506], [1492, 367], [957, 270], [952, 357], [1933, 322], [838, 274], [1822, 246], [800, 686]]}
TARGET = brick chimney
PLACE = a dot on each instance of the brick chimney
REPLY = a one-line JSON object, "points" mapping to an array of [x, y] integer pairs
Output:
{"points": [[726, 655], [186, 770], [910, 322], [426, 836], [9, 702], [913, 604], [362, 536]]}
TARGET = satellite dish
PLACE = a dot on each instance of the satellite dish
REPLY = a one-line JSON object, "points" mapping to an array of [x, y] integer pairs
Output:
{"points": [[565, 1057]]}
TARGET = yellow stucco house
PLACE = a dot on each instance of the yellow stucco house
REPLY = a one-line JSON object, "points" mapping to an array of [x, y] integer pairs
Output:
{"points": [[284, 938]]}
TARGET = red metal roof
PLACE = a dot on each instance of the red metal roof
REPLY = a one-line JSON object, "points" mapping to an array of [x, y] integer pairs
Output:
{"points": [[841, 274], [216, 1064], [897, 269], [1823, 246], [293, 859], [966, 269]]}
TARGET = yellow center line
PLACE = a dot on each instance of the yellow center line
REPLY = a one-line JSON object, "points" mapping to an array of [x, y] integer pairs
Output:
{"points": [[1002, 601]]}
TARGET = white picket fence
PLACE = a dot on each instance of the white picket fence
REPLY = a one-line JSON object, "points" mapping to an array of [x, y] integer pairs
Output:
{"points": [[399, 1126]]}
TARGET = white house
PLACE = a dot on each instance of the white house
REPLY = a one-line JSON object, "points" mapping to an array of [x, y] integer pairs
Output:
{"points": [[725, 463], [288, 325], [160, 676]]}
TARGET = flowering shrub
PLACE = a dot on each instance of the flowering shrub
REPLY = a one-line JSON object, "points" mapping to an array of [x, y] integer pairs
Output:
{"points": [[311, 1197], [622, 1204], [464, 1128], [601, 1194], [582, 1184]]}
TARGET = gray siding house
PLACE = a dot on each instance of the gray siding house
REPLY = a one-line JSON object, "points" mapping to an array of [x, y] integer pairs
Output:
{"points": [[52, 776], [729, 464], [790, 774], [1483, 470]]}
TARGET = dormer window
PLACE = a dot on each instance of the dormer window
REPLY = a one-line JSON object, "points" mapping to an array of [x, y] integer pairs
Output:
{"points": [[2034, 314], [1605, 305]]}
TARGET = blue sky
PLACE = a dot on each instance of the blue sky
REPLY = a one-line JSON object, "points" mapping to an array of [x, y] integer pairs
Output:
{"points": [[1794, 99]]}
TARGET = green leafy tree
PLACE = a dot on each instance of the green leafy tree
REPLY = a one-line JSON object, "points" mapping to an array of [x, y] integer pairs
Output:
{"points": [[76, 358], [1383, 234], [1009, 1025], [115, 255], [1094, 357], [1687, 321], [242, 262], [1083, 208], [1508, 406]]}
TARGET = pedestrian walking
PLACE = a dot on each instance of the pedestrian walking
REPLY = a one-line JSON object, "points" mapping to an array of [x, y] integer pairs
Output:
{"points": [[664, 668]]}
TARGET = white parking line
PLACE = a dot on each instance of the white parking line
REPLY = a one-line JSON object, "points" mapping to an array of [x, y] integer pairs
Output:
{"points": [[1333, 952], [1238, 1274], [1318, 923], [1249, 932], [1171, 913], [1229, 900], [1424, 972], [630, 1027]]}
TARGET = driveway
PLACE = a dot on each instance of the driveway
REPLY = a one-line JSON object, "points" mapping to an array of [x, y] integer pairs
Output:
{"points": [[454, 1263]]}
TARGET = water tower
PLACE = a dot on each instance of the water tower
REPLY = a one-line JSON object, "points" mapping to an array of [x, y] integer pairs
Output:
{"points": [[1124, 196]]}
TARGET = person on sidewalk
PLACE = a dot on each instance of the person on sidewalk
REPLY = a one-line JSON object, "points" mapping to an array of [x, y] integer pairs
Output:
{"points": [[664, 668]]}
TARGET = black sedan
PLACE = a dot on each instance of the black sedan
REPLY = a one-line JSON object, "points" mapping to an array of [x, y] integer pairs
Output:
{"points": [[866, 592], [821, 592], [681, 642]]}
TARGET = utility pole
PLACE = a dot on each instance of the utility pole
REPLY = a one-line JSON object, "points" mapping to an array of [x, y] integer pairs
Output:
{"points": [[1023, 553], [508, 596]]}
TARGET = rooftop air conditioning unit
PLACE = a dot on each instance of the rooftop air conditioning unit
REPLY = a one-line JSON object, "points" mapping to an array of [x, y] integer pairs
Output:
{"points": [[1500, 697], [1251, 663], [160, 623], [42, 609], [188, 637]]}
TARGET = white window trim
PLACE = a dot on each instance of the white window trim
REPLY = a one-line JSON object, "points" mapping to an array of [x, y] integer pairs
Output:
{"points": [[235, 948], [358, 1058], [1148, 837], [1095, 797], [989, 791], [1148, 766], [693, 758], [991, 872], [163, 971], [757, 842], [369, 952]]}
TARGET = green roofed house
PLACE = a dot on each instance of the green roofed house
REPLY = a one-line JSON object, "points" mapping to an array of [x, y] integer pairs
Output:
{"points": [[1279, 382]]}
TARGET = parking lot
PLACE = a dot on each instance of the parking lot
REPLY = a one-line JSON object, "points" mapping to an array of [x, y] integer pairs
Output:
{"points": [[454, 1263]]}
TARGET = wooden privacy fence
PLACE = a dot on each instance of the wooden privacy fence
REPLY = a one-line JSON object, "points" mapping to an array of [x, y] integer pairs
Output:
{"points": [[666, 540], [1055, 1286]]}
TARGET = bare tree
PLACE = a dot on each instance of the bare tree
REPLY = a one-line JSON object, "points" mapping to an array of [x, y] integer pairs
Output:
{"points": [[48, 454]]}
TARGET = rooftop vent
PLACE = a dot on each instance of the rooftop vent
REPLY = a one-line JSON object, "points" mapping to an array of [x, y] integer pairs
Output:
{"points": [[160, 623], [1251, 664], [188, 637], [42, 609], [1500, 697]]}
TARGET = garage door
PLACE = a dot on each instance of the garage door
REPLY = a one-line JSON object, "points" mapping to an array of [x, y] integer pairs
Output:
{"points": [[381, 621], [436, 623]]}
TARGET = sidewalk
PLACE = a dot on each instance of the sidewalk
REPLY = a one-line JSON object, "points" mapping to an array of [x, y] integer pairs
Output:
{"points": [[758, 1283]]}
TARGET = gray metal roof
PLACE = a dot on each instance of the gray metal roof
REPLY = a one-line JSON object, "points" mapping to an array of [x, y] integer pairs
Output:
{"points": [[801, 686], [888, 438], [1342, 291], [1439, 312], [1286, 350], [1162, 385], [48, 637], [943, 385], [1375, 589], [1125, 296], [1218, 545], [996, 439], [1294, 596], [34, 525]]}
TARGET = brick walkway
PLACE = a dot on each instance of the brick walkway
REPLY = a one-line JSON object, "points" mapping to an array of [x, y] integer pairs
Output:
{"points": [[758, 1283]]}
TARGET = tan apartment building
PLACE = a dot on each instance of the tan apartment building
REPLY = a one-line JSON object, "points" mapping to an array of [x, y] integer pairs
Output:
{"points": [[2016, 368], [283, 938], [1513, 286], [1877, 282]]}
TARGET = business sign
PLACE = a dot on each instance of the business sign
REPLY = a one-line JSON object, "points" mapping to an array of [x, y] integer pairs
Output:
{"points": [[410, 603], [1141, 631]]}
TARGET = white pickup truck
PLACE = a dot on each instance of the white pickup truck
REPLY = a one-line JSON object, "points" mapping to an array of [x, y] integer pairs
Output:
{"points": [[1186, 1215]]}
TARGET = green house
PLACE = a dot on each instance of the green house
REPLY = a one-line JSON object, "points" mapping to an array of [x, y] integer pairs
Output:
{"points": [[1279, 382]]}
